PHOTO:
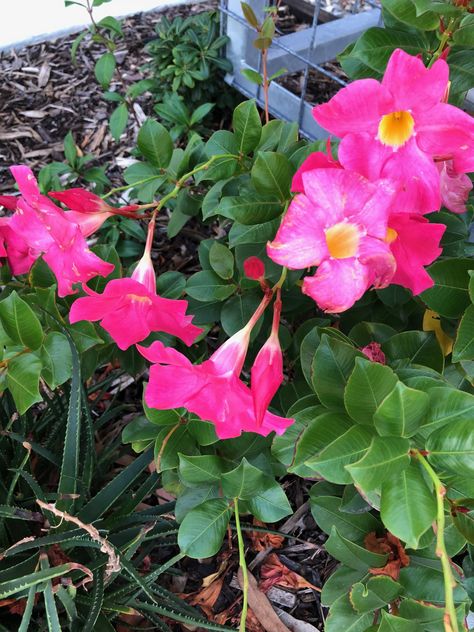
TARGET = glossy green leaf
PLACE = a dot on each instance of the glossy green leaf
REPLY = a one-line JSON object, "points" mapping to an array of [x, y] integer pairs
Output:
{"points": [[332, 365], [464, 34], [375, 594], [118, 121], [56, 359], [408, 505], [452, 447], [199, 470], [269, 503], [340, 582], [464, 345], [140, 430], [272, 174], [385, 458], [367, 386], [348, 448], [250, 209], [155, 143], [351, 554], [104, 69], [23, 377], [417, 347], [392, 623], [243, 481], [20, 322], [203, 528], [221, 260], [449, 296], [402, 412], [247, 126], [206, 286], [191, 497], [326, 510], [343, 617], [405, 11]]}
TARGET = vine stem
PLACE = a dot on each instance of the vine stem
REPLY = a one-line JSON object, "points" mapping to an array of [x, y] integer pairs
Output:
{"points": [[266, 84], [450, 620], [443, 42], [243, 566]]}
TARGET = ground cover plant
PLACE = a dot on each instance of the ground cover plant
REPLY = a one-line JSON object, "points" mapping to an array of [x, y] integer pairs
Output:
{"points": [[326, 342]]}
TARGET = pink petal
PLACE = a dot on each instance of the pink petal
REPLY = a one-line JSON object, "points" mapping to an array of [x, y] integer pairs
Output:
{"points": [[172, 386], [88, 223], [266, 376], [317, 160], [169, 315], [300, 241], [80, 200], [134, 313], [9, 201], [93, 308], [455, 187], [416, 246], [363, 154], [446, 131], [337, 284], [158, 353], [375, 254], [26, 181], [413, 86], [356, 108]]}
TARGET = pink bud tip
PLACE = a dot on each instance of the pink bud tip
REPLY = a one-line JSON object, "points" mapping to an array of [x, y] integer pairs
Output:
{"points": [[374, 352], [254, 268]]}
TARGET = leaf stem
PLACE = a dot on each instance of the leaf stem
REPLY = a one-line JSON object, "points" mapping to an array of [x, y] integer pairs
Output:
{"points": [[450, 620], [443, 42], [243, 566]]}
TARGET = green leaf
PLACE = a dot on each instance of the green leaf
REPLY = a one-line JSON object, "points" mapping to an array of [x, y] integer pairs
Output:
{"points": [[447, 406], [368, 384], [272, 174], [202, 530], [351, 554], [237, 311], [75, 46], [155, 143], [20, 584], [408, 505], [20, 322], [461, 70], [417, 347], [405, 11], [221, 260], [258, 234], [392, 623], [200, 470], [402, 412], [464, 34], [331, 462], [140, 431], [206, 286], [56, 359], [342, 617], [23, 377], [222, 142], [247, 126], [118, 121], [250, 209], [376, 593], [249, 14], [171, 284], [449, 296], [112, 24], [332, 365], [464, 345], [384, 459], [253, 76], [269, 504], [452, 447], [243, 481], [326, 511], [104, 69], [70, 149], [339, 583]]}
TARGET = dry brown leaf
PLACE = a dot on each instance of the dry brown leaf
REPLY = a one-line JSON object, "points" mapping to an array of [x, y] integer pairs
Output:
{"points": [[44, 74], [261, 607], [391, 546], [207, 597], [262, 541], [275, 573]]}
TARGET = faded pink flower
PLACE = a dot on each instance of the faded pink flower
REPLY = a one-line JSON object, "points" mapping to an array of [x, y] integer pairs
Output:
{"points": [[406, 117], [414, 243], [267, 369], [212, 390], [374, 352], [130, 309], [39, 226], [455, 187], [339, 224]]}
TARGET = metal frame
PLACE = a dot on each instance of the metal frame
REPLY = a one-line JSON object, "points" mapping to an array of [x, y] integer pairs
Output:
{"points": [[297, 51]]}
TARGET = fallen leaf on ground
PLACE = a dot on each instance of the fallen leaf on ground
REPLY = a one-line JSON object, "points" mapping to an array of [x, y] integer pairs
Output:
{"points": [[275, 573], [262, 541], [391, 546], [261, 606]]}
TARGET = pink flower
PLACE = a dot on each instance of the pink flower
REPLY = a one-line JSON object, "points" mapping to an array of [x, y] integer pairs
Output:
{"points": [[455, 187], [9, 201], [374, 352], [130, 309], [267, 369], [254, 268], [406, 115], [339, 224], [212, 390], [316, 160], [414, 243], [39, 226]]}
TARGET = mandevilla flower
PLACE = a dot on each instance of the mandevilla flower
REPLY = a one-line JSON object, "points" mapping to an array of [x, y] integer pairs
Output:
{"points": [[212, 390], [339, 224], [130, 309], [267, 369], [44, 229], [407, 123], [455, 187], [316, 160]]}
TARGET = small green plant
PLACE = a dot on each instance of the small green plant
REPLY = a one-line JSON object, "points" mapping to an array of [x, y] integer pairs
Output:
{"points": [[186, 58], [181, 120]]}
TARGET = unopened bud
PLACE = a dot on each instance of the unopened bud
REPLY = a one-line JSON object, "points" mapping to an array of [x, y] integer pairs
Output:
{"points": [[254, 268]]}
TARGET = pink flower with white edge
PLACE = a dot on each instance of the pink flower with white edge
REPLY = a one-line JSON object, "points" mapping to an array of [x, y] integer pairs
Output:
{"points": [[44, 229], [414, 243], [455, 187], [267, 369], [406, 119], [130, 309], [212, 390], [339, 224]]}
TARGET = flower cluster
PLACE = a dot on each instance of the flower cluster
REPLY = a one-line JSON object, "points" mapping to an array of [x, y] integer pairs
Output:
{"points": [[403, 152]]}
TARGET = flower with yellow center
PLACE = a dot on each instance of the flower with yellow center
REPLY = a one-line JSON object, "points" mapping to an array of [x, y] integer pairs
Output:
{"points": [[396, 128], [342, 240]]}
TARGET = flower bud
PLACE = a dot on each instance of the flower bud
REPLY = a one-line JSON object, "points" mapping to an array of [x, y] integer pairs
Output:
{"points": [[254, 268]]}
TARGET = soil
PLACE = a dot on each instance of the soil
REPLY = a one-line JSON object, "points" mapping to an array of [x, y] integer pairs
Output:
{"points": [[320, 87]]}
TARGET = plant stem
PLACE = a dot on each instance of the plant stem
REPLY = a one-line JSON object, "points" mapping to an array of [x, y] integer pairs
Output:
{"points": [[243, 566], [450, 621], [265, 84], [443, 42], [16, 475], [128, 186]]}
